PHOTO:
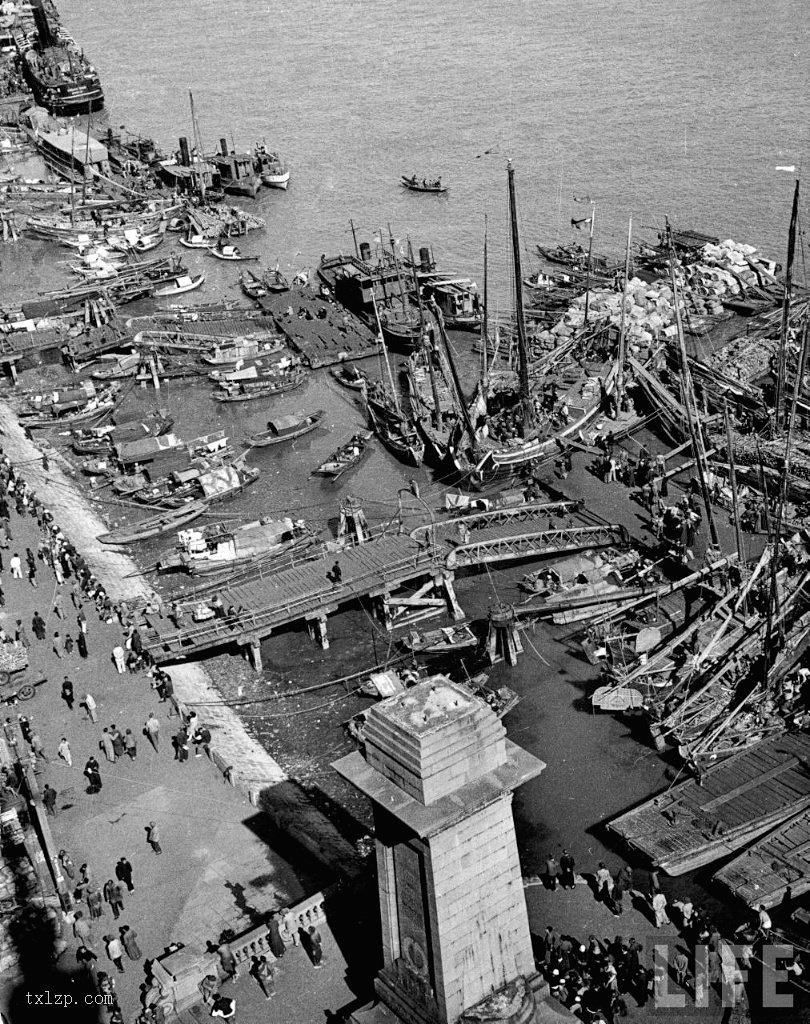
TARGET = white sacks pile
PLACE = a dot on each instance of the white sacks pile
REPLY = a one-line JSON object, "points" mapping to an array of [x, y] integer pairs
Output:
{"points": [[649, 312]]}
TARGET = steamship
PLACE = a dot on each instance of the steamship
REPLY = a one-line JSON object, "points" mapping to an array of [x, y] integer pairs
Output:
{"points": [[61, 78]]}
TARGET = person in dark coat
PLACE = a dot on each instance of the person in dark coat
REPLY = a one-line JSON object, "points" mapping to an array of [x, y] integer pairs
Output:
{"points": [[49, 796], [67, 693], [114, 895], [128, 938], [567, 868], [123, 872], [277, 947], [81, 644], [38, 626], [93, 775]]}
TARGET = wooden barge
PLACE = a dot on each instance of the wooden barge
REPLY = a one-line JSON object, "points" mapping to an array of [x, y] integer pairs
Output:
{"points": [[762, 874], [736, 802]]}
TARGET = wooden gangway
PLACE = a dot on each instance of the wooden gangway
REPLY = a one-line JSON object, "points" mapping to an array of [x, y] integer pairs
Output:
{"points": [[377, 569]]}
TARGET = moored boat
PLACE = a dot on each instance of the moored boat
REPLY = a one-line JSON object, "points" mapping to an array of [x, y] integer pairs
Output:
{"points": [[349, 376], [271, 168], [346, 456], [248, 391], [231, 253], [181, 285], [445, 640], [155, 525], [221, 546], [285, 428]]}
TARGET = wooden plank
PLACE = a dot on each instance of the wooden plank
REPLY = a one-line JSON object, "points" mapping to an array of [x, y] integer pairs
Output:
{"points": [[752, 783]]}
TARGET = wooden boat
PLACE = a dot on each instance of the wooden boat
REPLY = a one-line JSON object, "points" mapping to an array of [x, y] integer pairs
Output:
{"points": [[238, 351], [414, 184], [346, 456], [154, 526], [445, 640], [398, 433], [231, 253], [222, 546], [145, 243], [349, 376], [764, 872], [252, 285], [254, 370], [197, 242], [181, 285], [275, 281], [247, 391], [285, 428], [120, 368], [747, 795]]}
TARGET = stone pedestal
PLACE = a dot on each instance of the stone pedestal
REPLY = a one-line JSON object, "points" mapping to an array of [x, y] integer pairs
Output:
{"points": [[440, 774]]}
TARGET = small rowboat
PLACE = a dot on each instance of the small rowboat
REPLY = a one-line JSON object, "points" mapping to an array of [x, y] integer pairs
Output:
{"points": [[148, 242], [415, 185], [275, 281], [349, 377], [180, 285], [163, 522], [285, 428], [345, 457], [441, 641], [197, 242], [230, 252]]}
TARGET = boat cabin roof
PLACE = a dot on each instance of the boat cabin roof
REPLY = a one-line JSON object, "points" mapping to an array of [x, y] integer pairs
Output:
{"points": [[283, 423]]}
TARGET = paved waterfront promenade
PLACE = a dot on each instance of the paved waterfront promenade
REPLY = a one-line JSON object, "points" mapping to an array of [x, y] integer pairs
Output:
{"points": [[220, 866]]}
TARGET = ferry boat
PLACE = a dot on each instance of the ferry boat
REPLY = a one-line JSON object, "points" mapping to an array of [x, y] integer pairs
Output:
{"points": [[61, 78], [271, 168]]}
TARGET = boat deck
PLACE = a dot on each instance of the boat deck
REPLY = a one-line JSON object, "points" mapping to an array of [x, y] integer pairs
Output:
{"points": [[762, 874], [695, 822]]}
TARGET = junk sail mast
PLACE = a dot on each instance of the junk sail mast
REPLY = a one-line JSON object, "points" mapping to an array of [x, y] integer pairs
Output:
{"points": [[692, 416], [523, 348], [785, 331]]}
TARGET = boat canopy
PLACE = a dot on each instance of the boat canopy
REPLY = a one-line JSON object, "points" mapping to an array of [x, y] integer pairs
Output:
{"points": [[146, 448], [219, 480], [281, 424]]}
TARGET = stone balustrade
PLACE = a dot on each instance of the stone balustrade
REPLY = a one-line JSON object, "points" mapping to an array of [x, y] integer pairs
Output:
{"points": [[179, 973]]}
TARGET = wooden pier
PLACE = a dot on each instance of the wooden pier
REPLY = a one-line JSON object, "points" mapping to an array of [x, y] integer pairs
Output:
{"points": [[423, 561]]}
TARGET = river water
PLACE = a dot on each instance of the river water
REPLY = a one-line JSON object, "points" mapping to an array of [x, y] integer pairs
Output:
{"points": [[656, 109]]}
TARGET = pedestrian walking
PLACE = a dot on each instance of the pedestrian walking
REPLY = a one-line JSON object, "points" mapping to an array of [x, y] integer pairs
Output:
{"points": [[604, 884], [114, 895], [153, 837], [15, 565], [32, 575], [63, 750], [38, 627], [181, 745], [152, 730], [115, 951], [552, 871], [201, 740], [21, 636], [617, 896], [37, 747], [57, 609], [130, 745], [567, 871], [315, 944], [81, 929], [85, 957], [659, 906], [67, 693], [81, 618], [227, 961], [92, 775], [95, 902], [106, 744], [261, 970], [68, 645], [25, 727], [681, 967], [57, 645], [117, 741], [90, 707], [67, 864], [123, 872], [49, 796], [119, 659], [81, 644], [129, 941]]}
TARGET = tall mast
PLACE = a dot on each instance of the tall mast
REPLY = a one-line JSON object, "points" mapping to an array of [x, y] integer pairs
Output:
{"points": [[465, 412], [692, 418], [73, 174], [622, 335], [590, 253], [484, 316], [783, 335], [198, 146], [86, 151], [402, 295], [427, 349], [783, 483], [354, 236], [384, 354], [732, 479], [523, 349]]}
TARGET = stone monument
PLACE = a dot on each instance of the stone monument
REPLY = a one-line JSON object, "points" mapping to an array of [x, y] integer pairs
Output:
{"points": [[440, 773]]}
